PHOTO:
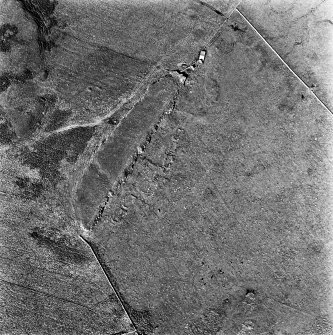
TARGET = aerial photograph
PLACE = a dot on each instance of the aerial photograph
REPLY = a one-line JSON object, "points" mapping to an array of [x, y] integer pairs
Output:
{"points": [[166, 167]]}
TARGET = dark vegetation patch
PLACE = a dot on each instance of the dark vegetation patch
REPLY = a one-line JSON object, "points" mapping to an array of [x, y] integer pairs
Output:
{"points": [[30, 189], [24, 76], [57, 119], [27, 110], [215, 10], [47, 101], [44, 104], [33, 122], [47, 154], [45, 74], [59, 244], [21, 77], [27, 120], [235, 27], [7, 134], [7, 78], [4, 82], [42, 13], [27, 124], [8, 32], [31, 115]]}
